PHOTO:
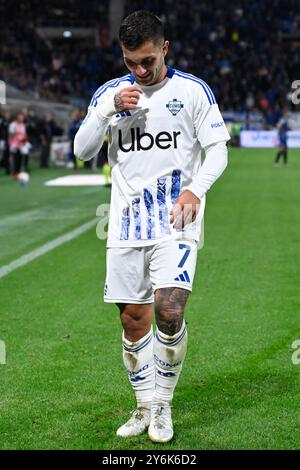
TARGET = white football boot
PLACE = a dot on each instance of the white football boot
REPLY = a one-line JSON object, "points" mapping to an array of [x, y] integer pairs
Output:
{"points": [[137, 424], [161, 426]]}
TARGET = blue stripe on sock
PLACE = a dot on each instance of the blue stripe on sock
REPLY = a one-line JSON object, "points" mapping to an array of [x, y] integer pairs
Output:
{"points": [[171, 343], [138, 348]]}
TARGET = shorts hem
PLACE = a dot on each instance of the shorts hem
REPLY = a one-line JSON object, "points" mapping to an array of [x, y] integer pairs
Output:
{"points": [[128, 301], [170, 284]]}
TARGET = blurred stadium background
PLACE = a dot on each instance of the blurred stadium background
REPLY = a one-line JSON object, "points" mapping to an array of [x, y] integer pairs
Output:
{"points": [[240, 387]]}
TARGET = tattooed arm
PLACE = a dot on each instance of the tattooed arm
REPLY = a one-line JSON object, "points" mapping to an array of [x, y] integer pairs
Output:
{"points": [[90, 136]]}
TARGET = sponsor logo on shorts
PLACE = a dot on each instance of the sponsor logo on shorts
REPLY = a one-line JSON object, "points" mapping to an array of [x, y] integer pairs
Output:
{"points": [[184, 277]]}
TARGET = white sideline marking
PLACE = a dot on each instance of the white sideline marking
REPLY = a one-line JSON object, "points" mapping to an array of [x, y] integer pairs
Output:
{"points": [[77, 180], [8, 268], [36, 215]]}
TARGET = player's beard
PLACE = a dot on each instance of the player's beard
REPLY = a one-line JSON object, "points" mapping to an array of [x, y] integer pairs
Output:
{"points": [[154, 76], [147, 80], [158, 76]]}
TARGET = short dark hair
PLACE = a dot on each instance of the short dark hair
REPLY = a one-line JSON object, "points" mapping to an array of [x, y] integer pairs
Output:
{"points": [[139, 27]]}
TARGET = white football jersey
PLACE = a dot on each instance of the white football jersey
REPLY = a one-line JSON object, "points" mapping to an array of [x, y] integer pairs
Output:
{"points": [[154, 153]]}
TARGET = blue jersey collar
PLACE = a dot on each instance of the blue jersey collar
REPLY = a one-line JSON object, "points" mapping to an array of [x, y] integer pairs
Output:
{"points": [[170, 73]]}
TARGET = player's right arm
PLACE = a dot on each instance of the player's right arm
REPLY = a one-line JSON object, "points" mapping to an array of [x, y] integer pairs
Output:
{"points": [[90, 136]]}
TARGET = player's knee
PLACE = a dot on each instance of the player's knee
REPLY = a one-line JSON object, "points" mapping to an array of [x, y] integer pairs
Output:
{"points": [[169, 323], [169, 309], [133, 317], [169, 318], [128, 322]]}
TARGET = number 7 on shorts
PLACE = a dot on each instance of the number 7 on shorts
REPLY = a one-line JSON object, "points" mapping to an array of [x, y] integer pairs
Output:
{"points": [[182, 246]]}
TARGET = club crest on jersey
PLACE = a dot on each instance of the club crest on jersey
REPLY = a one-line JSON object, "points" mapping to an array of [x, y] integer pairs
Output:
{"points": [[174, 106]]}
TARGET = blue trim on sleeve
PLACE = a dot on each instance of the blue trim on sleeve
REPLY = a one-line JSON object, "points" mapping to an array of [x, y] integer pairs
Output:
{"points": [[210, 96], [111, 84]]}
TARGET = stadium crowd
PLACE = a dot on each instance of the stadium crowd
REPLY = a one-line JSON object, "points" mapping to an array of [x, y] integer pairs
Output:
{"points": [[54, 12], [58, 70], [240, 48]]}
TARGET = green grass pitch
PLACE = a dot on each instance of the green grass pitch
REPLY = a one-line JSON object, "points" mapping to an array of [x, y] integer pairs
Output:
{"points": [[63, 385]]}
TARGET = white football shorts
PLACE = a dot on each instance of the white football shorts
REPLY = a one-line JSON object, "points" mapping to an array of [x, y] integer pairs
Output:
{"points": [[134, 273]]}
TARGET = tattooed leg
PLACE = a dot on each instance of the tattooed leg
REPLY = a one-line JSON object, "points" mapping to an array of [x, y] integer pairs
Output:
{"points": [[170, 341], [169, 309]]}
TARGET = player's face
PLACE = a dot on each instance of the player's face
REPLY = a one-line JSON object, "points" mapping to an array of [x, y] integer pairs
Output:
{"points": [[147, 63]]}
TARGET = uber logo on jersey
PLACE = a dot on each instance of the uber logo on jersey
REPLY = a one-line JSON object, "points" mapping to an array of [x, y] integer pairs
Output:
{"points": [[145, 141], [174, 106]]}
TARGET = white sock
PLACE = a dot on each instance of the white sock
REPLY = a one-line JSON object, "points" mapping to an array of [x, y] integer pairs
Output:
{"points": [[138, 360], [169, 353]]}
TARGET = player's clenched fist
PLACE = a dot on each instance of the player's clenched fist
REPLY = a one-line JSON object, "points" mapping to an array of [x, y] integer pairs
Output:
{"points": [[127, 98]]}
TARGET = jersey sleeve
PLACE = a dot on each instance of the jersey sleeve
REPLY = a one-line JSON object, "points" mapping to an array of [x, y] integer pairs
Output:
{"points": [[213, 166], [208, 122], [90, 136], [103, 98]]}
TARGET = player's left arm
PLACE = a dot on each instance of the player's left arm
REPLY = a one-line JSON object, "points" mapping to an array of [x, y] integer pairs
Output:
{"points": [[216, 160], [212, 135], [187, 204]]}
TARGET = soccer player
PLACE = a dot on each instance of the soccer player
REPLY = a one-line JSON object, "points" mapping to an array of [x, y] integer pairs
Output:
{"points": [[158, 119], [283, 128]]}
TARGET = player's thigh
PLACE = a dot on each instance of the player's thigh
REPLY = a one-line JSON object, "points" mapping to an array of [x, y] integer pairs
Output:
{"points": [[173, 264], [127, 276]]}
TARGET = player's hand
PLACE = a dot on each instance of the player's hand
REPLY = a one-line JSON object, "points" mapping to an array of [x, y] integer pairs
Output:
{"points": [[185, 209], [127, 98]]}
